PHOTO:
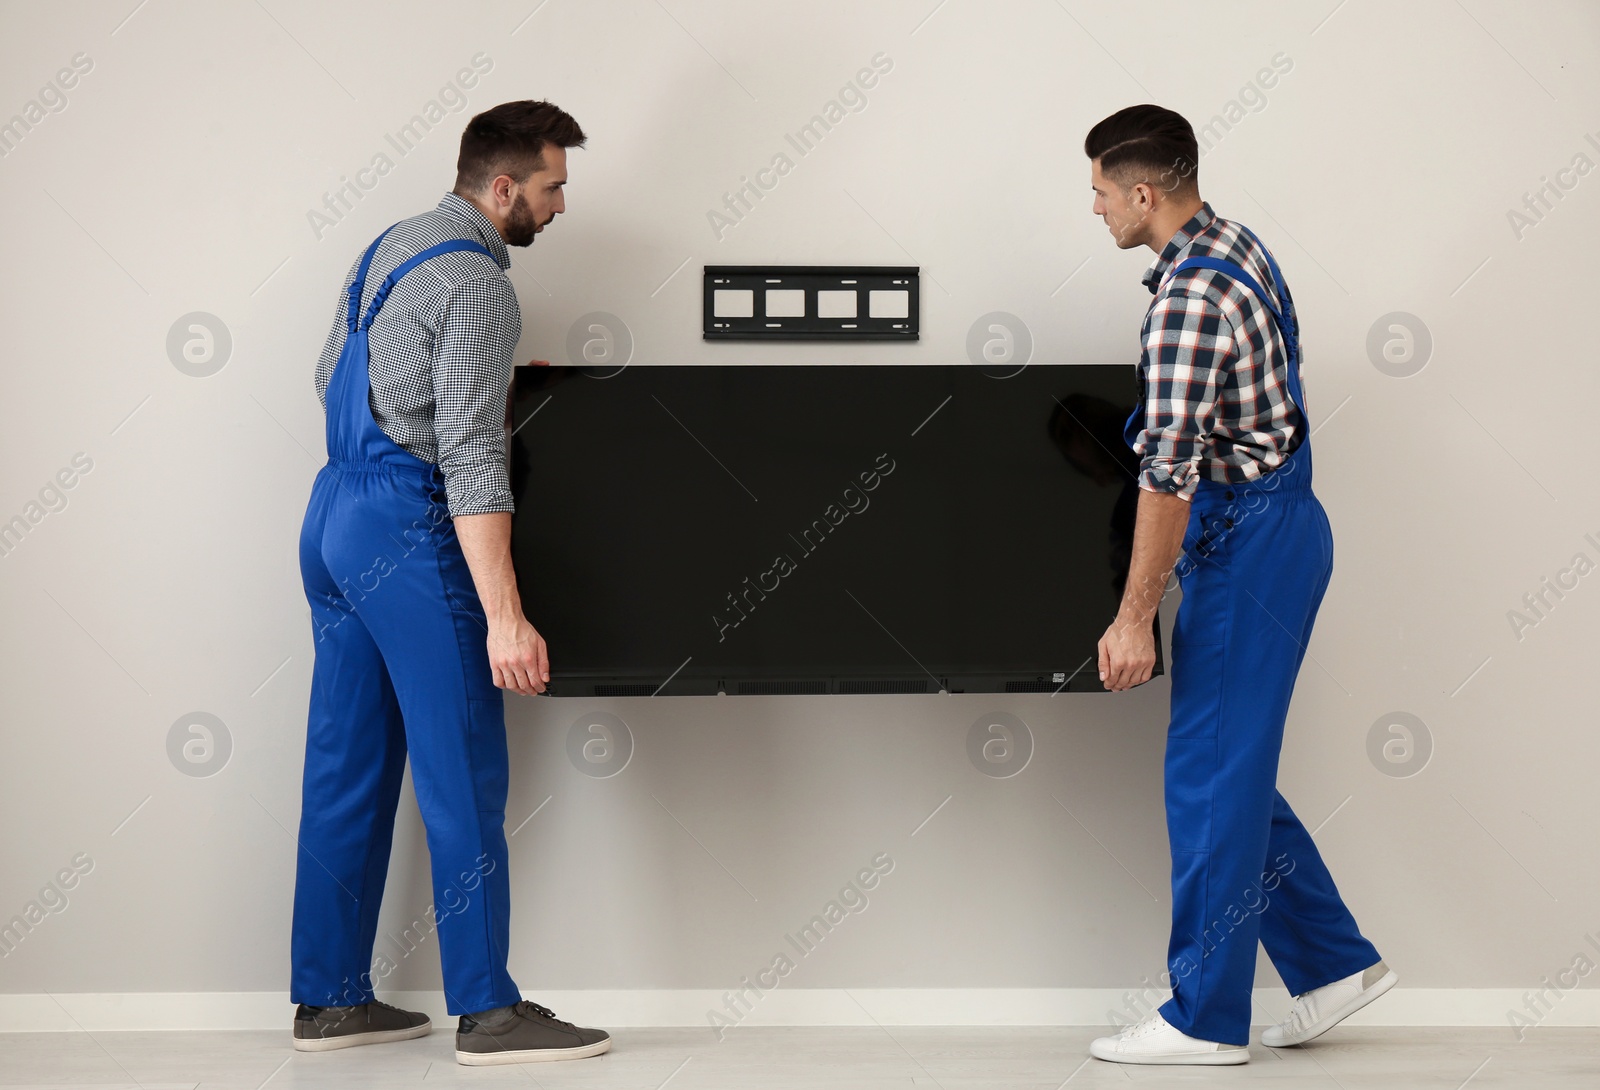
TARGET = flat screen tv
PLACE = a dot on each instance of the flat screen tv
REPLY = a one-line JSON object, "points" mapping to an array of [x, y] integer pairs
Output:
{"points": [[706, 529]]}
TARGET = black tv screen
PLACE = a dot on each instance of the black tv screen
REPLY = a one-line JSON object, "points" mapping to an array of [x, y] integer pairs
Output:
{"points": [[822, 529]]}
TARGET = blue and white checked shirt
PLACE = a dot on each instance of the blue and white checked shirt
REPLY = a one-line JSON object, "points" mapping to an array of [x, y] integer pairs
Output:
{"points": [[1214, 369], [441, 352]]}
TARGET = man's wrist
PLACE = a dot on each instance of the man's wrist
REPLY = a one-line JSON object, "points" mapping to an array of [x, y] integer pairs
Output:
{"points": [[1134, 617], [1142, 598], [505, 610]]}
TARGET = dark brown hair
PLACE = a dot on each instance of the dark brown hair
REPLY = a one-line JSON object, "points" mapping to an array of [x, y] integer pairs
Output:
{"points": [[1146, 143], [510, 139]]}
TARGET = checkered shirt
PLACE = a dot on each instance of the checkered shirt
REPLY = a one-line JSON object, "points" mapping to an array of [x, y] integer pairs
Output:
{"points": [[1213, 374], [441, 352]]}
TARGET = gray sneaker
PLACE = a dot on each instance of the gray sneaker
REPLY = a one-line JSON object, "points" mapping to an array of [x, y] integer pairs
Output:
{"points": [[323, 1029], [530, 1034]]}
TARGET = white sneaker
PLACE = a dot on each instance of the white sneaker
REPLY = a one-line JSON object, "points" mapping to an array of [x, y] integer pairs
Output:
{"points": [[1155, 1041], [1319, 1010]]}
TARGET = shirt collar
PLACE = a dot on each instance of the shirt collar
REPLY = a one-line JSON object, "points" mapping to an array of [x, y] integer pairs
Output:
{"points": [[458, 207], [1169, 253]]}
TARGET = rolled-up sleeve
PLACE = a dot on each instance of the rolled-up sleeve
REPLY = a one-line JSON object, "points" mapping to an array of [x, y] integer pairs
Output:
{"points": [[1189, 347], [477, 327]]}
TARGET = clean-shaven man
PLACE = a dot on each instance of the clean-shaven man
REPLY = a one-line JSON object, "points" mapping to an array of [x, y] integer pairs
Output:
{"points": [[405, 554], [1224, 443]]}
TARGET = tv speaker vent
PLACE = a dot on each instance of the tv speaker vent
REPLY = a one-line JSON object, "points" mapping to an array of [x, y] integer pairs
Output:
{"points": [[781, 688], [884, 685]]}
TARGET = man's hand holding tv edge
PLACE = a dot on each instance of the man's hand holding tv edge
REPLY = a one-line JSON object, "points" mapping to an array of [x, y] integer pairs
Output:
{"points": [[517, 653], [1128, 649]]}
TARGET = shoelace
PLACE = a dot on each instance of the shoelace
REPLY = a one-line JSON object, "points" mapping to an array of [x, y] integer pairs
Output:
{"points": [[1299, 1015], [543, 1011], [1139, 1029]]}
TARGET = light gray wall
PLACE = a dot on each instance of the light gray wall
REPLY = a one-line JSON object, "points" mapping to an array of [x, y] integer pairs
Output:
{"points": [[1381, 167]]}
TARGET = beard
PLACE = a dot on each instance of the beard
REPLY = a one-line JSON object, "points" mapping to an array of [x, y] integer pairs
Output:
{"points": [[521, 223]]}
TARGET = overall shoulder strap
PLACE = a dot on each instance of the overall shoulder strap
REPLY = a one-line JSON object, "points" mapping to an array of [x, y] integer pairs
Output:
{"points": [[453, 246], [1272, 265], [359, 284], [1287, 325], [1217, 264]]}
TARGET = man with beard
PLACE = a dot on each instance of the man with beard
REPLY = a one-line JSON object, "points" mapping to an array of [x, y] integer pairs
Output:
{"points": [[406, 557]]}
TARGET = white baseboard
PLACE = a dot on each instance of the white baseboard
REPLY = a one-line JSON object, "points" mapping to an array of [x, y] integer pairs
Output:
{"points": [[614, 1009]]}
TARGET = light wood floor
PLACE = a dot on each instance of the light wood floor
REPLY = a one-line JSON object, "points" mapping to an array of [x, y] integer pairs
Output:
{"points": [[790, 1059]]}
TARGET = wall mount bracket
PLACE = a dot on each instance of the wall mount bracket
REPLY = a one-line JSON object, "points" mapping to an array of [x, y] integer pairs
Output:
{"points": [[811, 302]]}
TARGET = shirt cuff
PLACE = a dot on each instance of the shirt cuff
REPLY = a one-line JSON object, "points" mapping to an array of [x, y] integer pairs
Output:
{"points": [[1181, 479], [481, 502]]}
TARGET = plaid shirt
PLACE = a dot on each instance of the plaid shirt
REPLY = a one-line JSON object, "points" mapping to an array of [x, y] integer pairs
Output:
{"points": [[441, 351], [1213, 375]]}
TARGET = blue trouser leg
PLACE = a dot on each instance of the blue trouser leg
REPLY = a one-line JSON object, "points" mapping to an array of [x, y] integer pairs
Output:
{"points": [[355, 761], [1306, 929], [1249, 602], [401, 568]]}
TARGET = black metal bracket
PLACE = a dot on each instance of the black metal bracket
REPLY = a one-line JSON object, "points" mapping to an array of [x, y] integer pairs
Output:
{"points": [[811, 302]]}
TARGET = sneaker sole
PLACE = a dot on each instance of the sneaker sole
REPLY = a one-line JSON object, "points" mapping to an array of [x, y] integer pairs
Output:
{"points": [[1384, 983], [1207, 1059], [531, 1055], [351, 1040]]}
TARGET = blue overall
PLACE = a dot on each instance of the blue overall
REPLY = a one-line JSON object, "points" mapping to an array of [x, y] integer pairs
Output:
{"points": [[1255, 561], [401, 665]]}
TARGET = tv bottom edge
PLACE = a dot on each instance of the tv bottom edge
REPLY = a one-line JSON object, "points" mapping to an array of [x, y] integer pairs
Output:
{"points": [[1050, 682]]}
